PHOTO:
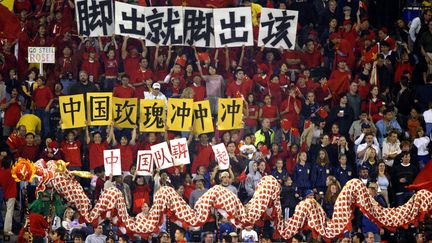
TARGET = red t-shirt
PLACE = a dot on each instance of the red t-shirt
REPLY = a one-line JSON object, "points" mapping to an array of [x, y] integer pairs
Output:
{"points": [[291, 115], [14, 141], [7, 183], [253, 109], [269, 112], [42, 96], [138, 76], [28, 152], [122, 92], [38, 225], [111, 65], [92, 69], [12, 113], [235, 91], [200, 92], [96, 157], [312, 60], [127, 156], [130, 64], [71, 152]]}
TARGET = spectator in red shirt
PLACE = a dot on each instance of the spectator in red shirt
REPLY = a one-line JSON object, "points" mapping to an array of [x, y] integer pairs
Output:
{"points": [[66, 68], [127, 149], [125, 90], [199, 90], [290, 108], [91, 64], [9, 188], [71, 151], [311, 58], [30, 150], [12, 105], [252, 114], [240, 86], [17, 138], [97, 146], [42, 100], [111, 65], [139, 77], [130, 55], [269, 111]]}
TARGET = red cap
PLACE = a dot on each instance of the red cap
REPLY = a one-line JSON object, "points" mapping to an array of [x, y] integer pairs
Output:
{"points": [[286, 124]]}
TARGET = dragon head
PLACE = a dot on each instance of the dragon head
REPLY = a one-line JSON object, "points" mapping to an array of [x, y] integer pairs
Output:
{"points": [[23, 170]]}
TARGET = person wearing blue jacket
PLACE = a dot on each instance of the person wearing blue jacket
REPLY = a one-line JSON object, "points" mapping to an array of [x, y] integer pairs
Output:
{"points": [[320, 170], [302, 171], [343, 172]]}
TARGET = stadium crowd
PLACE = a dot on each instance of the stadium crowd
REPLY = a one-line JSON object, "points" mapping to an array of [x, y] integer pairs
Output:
{"points": [[352, 100]]}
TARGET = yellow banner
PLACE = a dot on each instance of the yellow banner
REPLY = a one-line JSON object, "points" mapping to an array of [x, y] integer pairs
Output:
{"points": [[230, 114], [125, 112], [99, 108], [8, 4], [203, 122], [180, 114], [72, 111], [152, 115]]}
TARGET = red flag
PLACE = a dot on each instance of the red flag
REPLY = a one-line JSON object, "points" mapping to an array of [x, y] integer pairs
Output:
{"points": [[371, 55], [203, 56], [10, 24], [322, 113], [362, 5], [181, 61], [423, 179], [264, 150], [307, 124], [242, 176], [286, 124], [303, 147]]}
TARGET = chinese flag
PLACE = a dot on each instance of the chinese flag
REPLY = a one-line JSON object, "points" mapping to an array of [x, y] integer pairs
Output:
{"points": [[423, 179], [10, 24], [371, 55], [242, 176], [181, 61], [203, 56], [322, 113], [286, 124], [307, 124], [363, 6]]}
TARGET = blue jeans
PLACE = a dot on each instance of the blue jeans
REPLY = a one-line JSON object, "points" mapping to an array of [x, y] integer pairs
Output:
{"points": [[108, 84], [44, 116], [66, 85], [403, 198], [428, 129]]}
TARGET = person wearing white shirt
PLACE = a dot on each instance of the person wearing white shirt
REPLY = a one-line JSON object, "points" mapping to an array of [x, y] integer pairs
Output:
{"points": [[422, 143], [391, 148], [416, 24], [370, 141], [155, 94], [249, 235]]}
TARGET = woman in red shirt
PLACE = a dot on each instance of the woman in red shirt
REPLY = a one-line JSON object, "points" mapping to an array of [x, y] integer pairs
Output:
{"points": [[127, 149], [12, 105], [252, 114], [372, 104], [96, 147], [290, 108], [269, 111], [111, 65]]}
